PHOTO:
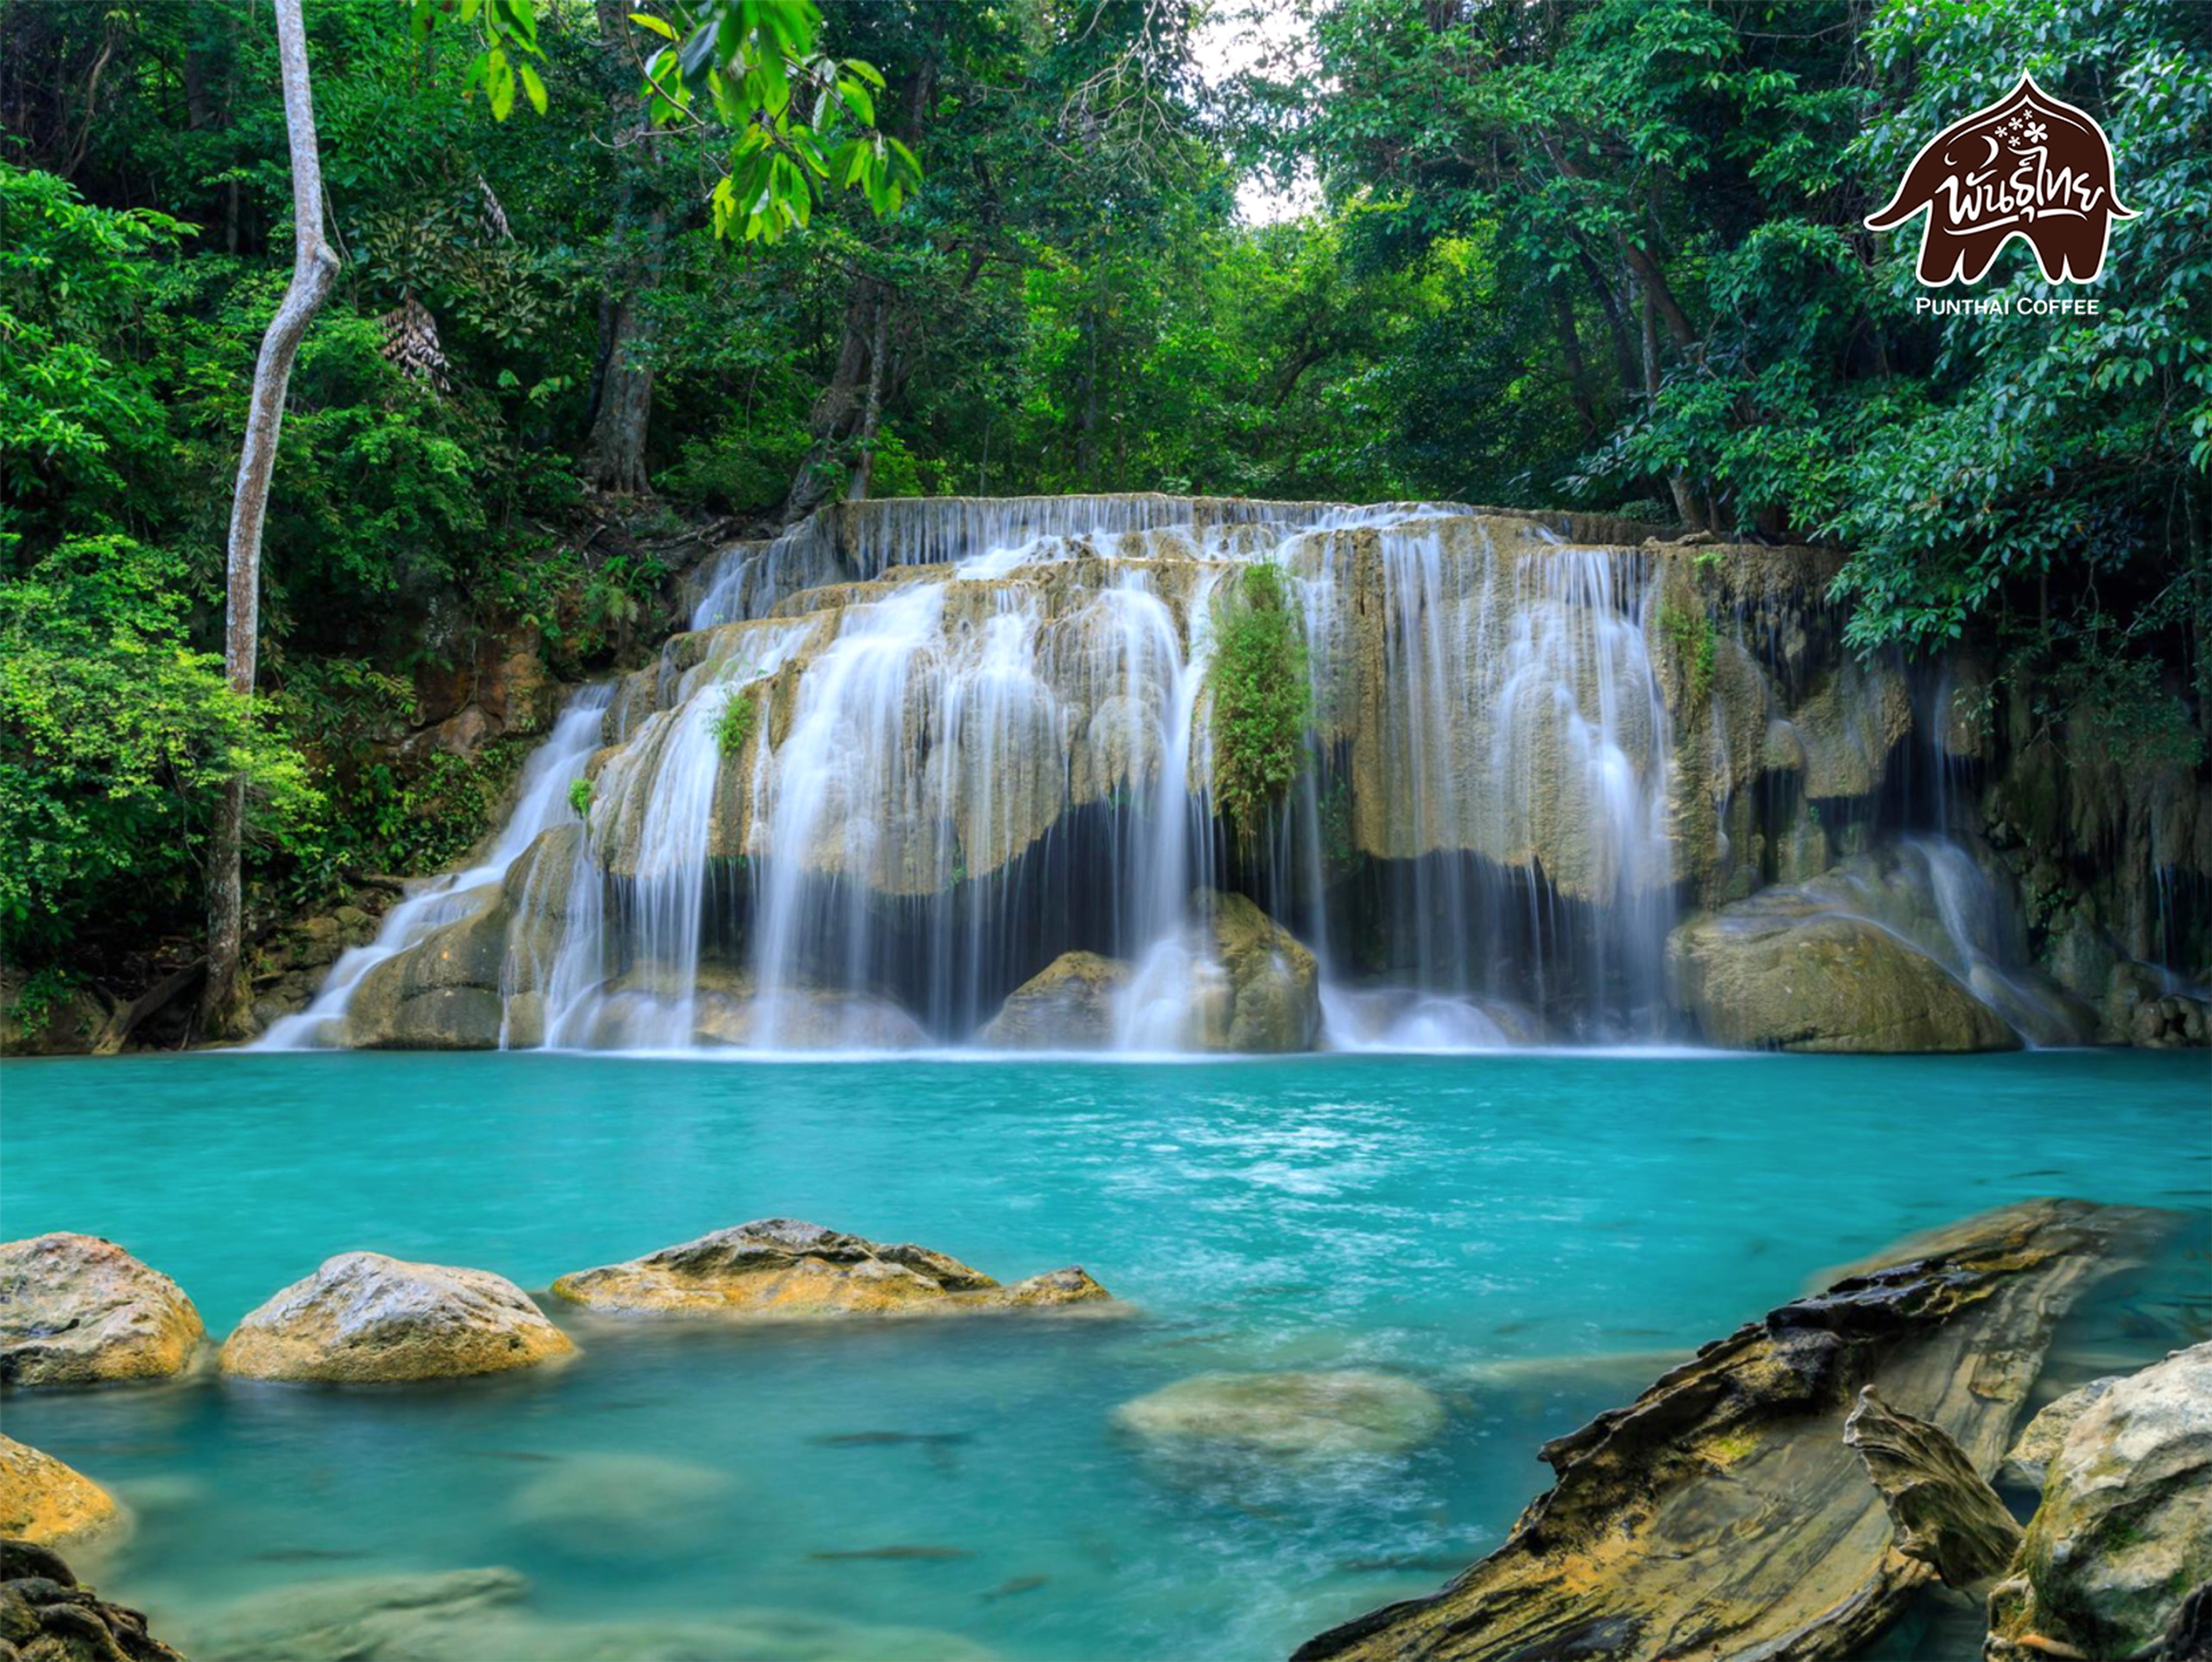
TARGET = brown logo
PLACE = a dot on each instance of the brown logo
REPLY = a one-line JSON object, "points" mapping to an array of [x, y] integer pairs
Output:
{"points": [[2026, 165]]}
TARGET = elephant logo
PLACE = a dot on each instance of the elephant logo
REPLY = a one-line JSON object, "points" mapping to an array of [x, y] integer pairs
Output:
{"points": [[2028, 166]]}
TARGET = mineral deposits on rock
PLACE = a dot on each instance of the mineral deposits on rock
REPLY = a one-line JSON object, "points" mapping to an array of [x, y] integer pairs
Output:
{"points": [[78, 1310]]}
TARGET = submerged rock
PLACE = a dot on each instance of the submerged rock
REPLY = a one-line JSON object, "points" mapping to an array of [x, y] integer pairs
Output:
{"points": [[1071, 1004], [45, 1616], [1780, 972], [779, 1268], [1721, 1514], [629, 1505], [79, 1310], [364, 1319], [43, 1501], [2029, 1462], [2124, 1532], [1292, 1416]]}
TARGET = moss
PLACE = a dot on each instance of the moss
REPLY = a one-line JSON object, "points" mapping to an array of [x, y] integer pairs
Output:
{"points": [[1689, 631], [580, 797], [1262, 701], [733, 727]]}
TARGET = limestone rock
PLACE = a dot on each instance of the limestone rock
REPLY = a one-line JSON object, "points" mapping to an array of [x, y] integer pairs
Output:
{"points": [[363, 1318], [781, 1269], [2029, 1462], [45, 1502], [379, 1618], [1290, 1416], [1947, 1515], [47, 1616], [2125, 1532], [1069, 1004], [1778, 972], [1273, 993], [627, 1505], [78, 1310]]}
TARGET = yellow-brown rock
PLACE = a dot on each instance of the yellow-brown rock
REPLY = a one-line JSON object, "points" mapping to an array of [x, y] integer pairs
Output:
{"points": [[365, 1319], [781, 1269], [43, 1501], [78, 1310]]}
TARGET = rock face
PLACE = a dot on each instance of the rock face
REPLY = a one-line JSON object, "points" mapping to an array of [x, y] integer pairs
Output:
{"points": [[2029, 1462], [2124, 1532], [1292, 1416], [1069, 1004], [1947, 1515], [779, 1269], [43, 1501], [1721, 1514], [78, 1310], [1779, 972], [366, 1318], [46, 1617], [1272, 1001]]}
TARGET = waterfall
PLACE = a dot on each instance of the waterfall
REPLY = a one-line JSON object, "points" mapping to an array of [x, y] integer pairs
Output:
{"points": [[978, 734], [541, 802]]}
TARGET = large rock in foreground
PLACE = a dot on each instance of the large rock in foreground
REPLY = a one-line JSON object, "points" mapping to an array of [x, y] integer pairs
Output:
{"points": [[1273, 994], [1778, 973], [1071, 1004], [365, 1319], [43, 1501], [779, 1268], [1721, 1514], [2124, 1532], [78, 1310], [46, 1617], [1294, 1415]]}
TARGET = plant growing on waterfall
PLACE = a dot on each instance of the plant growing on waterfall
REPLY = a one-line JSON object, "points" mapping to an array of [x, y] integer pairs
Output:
{"points": [[1261, 699], [733, 727], [1689, 631], [580, 797]]}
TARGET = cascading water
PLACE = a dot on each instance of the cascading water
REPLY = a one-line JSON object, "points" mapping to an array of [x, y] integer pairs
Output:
{"points": [[977, 736]]}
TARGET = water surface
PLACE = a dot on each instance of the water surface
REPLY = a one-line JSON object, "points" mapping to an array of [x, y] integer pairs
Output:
{"points": [[1436, 1217]]}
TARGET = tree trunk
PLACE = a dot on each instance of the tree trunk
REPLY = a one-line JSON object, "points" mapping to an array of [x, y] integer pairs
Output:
{"points": [[1570, 350], [621, 406], [1685, 502], [224, 1011], [863, 377], [872, 416], [614, 453]]}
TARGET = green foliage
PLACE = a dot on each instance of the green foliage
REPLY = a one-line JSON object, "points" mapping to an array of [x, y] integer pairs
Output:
{"points": [[580, 797], [734, 722], [1690, 633], [115, 736], [1261, 699]]}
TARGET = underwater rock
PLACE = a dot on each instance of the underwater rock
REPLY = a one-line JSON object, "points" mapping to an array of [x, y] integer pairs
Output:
{"points": [[2029, 1462], [1069, 1004], [631, 1505], [1720, 1513], [2125, 1528], [78, 1310], [45, 1502], [45, 1616], [1778, 971], [781, 1269], [1947, 1515], [1323, 1416], [366, 1318]]}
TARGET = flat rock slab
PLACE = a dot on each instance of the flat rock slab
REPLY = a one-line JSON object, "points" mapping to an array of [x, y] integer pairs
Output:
{"points": [[78, 1310], [365, 1319], [1720, 1515], [781, 1269], [1299, 1417], [45, 1502]]}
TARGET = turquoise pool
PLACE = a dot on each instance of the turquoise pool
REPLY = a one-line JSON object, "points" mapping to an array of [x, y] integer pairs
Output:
{"points": [[1459, 1220]]}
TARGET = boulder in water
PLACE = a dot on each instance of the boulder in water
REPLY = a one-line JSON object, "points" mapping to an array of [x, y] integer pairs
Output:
{"points": [[2029, 1462], [47, 1616], [1320, 1415], [781, 1269], [43, 1501], [1272, 1001], [366, 1318], [78, 1310], [1780, 972], [1071, 1004], [2124, 1532]]}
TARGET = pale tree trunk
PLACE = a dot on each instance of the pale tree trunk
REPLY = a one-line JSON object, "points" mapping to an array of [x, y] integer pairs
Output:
{"points": [[621, 408], [224, 1011]]}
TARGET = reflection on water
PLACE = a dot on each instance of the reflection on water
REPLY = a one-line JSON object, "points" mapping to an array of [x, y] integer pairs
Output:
{"points": [[1527, 1237]]}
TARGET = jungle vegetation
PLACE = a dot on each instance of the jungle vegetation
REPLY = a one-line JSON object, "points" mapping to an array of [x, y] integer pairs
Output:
{"points": [[1603, 253]]}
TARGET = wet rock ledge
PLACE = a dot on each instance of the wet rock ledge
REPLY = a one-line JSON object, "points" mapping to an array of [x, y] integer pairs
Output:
{"points": [[46, 1617], [1721, 1514], [781, 1269]]}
